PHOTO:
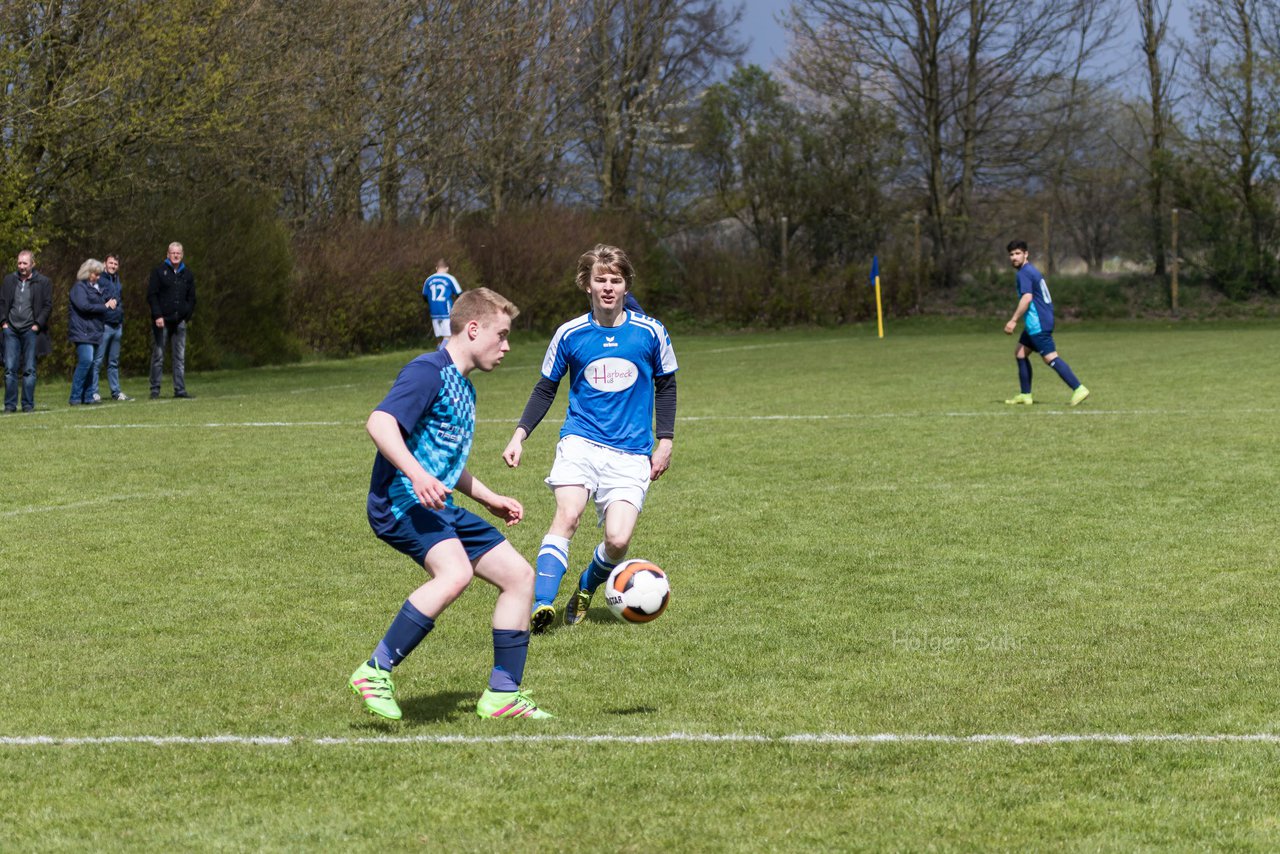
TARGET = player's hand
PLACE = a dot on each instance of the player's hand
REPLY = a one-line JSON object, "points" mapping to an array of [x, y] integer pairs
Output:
{"points": [[430, 491], [1010, 326], [507, 509], [513, 450], [159, 323], [660, 460]]}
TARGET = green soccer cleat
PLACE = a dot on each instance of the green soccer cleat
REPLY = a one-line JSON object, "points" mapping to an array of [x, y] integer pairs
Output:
{"points": [[576, 611], [1078, 396], [1019, 400], [508, 704], [375, 687], [543, 617]]}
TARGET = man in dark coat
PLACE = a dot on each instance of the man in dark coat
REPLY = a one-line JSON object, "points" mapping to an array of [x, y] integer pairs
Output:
{"points": [[26, 299], [171, 293]]}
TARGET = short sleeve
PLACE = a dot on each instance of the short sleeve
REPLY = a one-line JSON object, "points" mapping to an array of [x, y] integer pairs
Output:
{"points": [[412, 394], [1026, 283]]}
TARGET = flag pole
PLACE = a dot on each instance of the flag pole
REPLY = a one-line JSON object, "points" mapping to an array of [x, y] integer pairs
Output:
{"points": [[875, 275]]}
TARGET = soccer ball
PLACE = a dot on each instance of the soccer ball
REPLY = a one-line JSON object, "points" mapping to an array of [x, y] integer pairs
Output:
{"points": [[637, 591]]}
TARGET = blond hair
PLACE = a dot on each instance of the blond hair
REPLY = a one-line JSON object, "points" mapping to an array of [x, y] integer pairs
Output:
{"points": [[479, 304], [609, 257]]}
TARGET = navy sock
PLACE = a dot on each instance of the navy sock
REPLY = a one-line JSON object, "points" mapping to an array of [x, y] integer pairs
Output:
{"points": [[553, 560], [1024, 375], [510, 649], [407, 630], [1064, 370], [597, 572]]}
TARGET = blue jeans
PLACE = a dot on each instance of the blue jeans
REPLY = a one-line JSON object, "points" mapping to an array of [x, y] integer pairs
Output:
{"points": [[80, 379], [19, 359], [108, 351]]}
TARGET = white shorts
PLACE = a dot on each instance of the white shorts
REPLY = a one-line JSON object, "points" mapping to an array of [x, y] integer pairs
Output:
{"points": [[441, 326], [609, 474]]}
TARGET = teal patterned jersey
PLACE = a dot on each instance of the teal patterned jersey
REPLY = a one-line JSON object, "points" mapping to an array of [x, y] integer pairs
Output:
{"points": [[435, 406]]}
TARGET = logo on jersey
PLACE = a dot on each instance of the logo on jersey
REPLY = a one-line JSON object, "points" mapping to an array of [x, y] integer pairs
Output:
{"points": [[611, 374], [609, 342]]}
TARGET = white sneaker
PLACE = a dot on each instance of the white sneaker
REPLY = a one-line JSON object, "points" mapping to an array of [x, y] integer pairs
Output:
{"points": [[97, 398]]}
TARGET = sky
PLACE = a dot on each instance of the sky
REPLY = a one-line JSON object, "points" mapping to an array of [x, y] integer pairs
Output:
{"points": [[769, 40]]}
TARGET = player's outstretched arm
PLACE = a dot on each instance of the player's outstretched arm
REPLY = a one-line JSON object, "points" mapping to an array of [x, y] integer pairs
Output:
{"points": [[504, 507], [540, 400], [385, 432], [664, 405]]}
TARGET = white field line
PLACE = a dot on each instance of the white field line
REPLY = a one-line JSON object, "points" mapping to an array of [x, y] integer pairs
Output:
{"points": [[826, 738], [840, 416]]}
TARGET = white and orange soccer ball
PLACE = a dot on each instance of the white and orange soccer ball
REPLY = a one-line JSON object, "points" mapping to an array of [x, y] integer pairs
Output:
{"points": [[637, 591]]}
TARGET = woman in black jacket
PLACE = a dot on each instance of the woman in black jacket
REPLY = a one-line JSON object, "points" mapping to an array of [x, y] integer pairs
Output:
{"points": [[84, 327]]}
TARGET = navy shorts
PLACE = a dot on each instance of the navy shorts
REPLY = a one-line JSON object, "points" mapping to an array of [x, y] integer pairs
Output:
{"points": [[419, 530], [1041, 342]]}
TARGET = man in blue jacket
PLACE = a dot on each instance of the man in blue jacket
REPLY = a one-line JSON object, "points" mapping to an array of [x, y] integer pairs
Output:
{"points": [[112, 331], [171, 293]]}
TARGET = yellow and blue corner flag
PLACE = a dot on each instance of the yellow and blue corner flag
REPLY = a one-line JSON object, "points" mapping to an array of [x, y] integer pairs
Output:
{"points": [[875, 281]]}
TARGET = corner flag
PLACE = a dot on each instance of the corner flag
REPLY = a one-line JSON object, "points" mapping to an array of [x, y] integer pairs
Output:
{"points": [[875, 280]]}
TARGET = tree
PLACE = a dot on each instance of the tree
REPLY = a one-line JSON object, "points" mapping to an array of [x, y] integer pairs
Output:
{"points": [[1153, 24], [1096, 187], [1237, 132], [955, 74], [643, 62], [821, 172]]}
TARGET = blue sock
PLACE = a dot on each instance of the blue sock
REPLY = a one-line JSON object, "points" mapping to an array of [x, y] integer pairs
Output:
{"points": [[407, 630], [1064, 370], [597, 572], [1024, 375], [510, 649], [553, 562]]}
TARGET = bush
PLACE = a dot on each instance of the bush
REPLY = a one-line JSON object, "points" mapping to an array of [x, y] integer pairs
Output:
{"points": [[239, 253], [358, 289]]}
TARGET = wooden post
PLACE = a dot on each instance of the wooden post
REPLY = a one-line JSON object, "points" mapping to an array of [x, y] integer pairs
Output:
{"points": [[1048, 255], [917, 263], [784, 245], [1173, 277]]}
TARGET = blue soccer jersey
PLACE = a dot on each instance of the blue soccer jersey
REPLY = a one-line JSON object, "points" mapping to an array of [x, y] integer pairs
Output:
{"points": [[435, 406], [439, 290], [1039, 316], [611, 372]]}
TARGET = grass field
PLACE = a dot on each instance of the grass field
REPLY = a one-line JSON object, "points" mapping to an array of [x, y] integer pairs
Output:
{"points": [[863, 541]]}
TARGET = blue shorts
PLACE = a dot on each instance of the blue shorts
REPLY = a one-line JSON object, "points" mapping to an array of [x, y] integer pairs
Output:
{"points": [[419, 530], [1041, 342]]}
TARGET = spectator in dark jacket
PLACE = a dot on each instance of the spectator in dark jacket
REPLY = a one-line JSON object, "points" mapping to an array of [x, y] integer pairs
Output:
{"points": [[112, 331], [88, 305], [171, 294], [26, 299]]}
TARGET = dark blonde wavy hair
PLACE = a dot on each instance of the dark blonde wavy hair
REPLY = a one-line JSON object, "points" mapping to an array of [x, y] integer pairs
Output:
{"points": [[610, 257]]}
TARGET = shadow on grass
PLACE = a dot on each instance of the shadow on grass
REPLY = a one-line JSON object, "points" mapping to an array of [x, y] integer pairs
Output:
{"points": [[445, 706], [422, 710], [634, 710]]}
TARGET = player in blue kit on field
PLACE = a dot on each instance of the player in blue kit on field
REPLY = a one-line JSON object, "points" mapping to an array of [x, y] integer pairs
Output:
{"points": [[438, 292], [1035, 308], [423, 430], [621, 369]]}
